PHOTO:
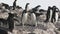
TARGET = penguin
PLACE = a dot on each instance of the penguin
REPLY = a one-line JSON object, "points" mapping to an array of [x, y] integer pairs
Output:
{"points": [[49, 14], [56, 14], [35, 13], [14, 4], [51, 11], [53, 14], [24, 15]]}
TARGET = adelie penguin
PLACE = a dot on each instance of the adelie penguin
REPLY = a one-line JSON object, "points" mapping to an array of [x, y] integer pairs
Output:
{"points": [[49, 14], [24, 15], [14, 4], [35, 14], [55, 14]]}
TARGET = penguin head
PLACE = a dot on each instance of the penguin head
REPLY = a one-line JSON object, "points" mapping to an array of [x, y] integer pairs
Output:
{"points": [[54, 7], [27, 3]]}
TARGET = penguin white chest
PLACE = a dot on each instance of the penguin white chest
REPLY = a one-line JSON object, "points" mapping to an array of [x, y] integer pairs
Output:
{"points": [[33, 16], [56, 16], [25, 15], [50, 15]]}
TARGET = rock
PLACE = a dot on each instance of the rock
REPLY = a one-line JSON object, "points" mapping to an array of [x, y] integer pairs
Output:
{"points": [[37, 31], [57, 31], [40, 31], [50, 26], [51, 31], [4, 15], [44, 32], [16, 32], [42, 17], [57, 25], [26, 32], [31, 33], [9, 32]]}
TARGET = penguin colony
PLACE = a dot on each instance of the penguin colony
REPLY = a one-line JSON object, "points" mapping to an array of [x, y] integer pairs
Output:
{"points": [[15, 11]]}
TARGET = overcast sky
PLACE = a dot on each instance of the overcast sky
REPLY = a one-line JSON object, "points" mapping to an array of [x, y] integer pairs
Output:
{"points": [[44, 3]]}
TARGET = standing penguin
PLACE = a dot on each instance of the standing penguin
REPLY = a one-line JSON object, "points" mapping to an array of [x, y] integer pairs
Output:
{"points": [[33, 18], [56, 14], [35, 12], [14, 4], [53, 15], [24, 15], [49, 14]]}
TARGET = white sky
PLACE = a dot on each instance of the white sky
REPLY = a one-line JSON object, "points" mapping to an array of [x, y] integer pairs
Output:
{"points": [[44, 3]]}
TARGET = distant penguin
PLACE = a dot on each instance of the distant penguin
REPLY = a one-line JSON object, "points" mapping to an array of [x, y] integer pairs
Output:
{"points": [[35, 12], [24, 18], [56, 14], [53, 14], [33, 18], [24, 15], [14, 4], [49, 14], [51, 11]]}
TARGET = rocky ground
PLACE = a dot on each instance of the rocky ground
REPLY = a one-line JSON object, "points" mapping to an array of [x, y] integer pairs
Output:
{"points": [[42, 27]]}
